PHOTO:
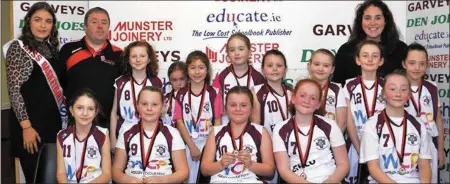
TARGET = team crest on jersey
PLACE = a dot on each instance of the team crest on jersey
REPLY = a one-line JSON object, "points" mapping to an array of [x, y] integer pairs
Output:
{"points": [[426, 100], [206, 106], [412, 139], [161, 150], [321, 143], [331, 100], [249, 148], [380, 99], [92, 152]]}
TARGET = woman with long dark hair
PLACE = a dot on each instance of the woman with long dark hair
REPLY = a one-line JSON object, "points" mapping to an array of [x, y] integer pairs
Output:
{"points": [[38, 111], [373, 21]]}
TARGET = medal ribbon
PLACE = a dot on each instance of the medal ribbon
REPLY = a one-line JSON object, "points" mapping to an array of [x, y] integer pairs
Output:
{"points": [[200, 110], [133, 91], [249, 76], [145, 155], [391, 133], [241, 139], [369, 112], [83, 152], [171, 94], [271, 90], [324, 95], [303, 157], [416, 104]]}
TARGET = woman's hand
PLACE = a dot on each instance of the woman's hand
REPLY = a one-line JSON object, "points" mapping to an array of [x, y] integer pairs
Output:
{"points": [[30, 138]]}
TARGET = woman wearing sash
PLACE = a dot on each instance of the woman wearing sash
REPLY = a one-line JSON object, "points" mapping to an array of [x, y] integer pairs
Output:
{"points": [[83, 149], [149, 151], [37, 112], [308, 147], [239, 151]]}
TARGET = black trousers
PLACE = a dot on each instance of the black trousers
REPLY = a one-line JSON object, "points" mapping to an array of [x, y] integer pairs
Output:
{"points": [[28, 162]]}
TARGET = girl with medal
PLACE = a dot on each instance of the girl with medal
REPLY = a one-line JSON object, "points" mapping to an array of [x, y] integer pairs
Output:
{"points": [[394, 144], [149, 151], [308, 147], [240, 151], [140, 69], [240, 72], [425, 103], [199, 106], [82, 149], [177, 78], [333, 105], [272, 97], [363, 97]]}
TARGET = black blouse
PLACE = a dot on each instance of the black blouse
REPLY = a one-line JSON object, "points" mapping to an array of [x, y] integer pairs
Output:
{"points": [[346, 67]]}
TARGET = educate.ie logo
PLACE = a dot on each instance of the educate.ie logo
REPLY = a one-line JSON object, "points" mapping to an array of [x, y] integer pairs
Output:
{"points": [[256, 16]]}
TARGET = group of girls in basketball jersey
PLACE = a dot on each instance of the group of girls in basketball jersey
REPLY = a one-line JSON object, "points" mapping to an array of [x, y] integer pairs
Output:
{"points": [[251, 127]]}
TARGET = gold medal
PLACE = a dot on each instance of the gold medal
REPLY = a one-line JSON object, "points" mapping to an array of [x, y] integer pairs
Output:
{"points": [[402, 171], [303, 175], [235, 152]]}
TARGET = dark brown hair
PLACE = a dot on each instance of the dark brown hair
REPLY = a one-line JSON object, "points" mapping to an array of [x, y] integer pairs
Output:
{"points": [[152, 66], [27, 36], [240, 90], [390, 35], [202, 57], [276, 53]]}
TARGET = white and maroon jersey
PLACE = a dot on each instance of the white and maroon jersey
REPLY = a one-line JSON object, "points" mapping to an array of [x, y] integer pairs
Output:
{"points": [[159, 163], [85, 153], [127, 97], [320, 163], [227, 79], [334, 98], [169, 104], [428, 105], [377, 143], [274, 108], [191, 105], [251, 140], [355, 94]]}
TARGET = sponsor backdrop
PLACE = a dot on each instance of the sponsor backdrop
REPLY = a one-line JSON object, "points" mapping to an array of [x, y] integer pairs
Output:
{"points": [[427, 24], [296, 28], [177, 28]]}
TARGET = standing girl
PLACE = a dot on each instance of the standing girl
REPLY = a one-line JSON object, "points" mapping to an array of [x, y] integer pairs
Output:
{"points": [[240, 72], [333, 105], [199, 106], [308, 147], [150, 152], [363, 97], [83, 149], [234, 153], [178, 78], [272, 97], [425, 103], [140, 69], [394, 144]]}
